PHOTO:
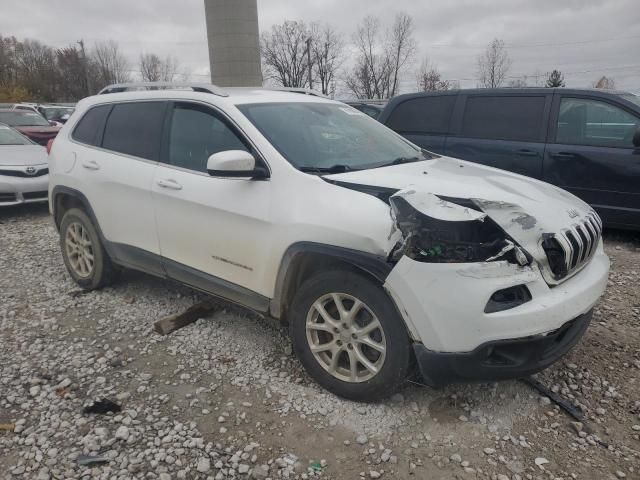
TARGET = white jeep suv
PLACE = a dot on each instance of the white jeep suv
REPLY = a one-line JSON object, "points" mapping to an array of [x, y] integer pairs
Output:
{"points": [[378, 255]]}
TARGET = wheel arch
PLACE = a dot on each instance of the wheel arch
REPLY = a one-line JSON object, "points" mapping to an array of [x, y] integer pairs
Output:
{"points": [[302, 260]]}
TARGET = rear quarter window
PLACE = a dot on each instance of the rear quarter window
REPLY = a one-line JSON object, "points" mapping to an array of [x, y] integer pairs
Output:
{"points": [[516, 118], [429, 114], [90, 127]]}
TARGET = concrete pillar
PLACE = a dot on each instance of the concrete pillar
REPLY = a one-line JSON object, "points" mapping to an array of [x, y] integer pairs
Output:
{"points": [[234, 45]]}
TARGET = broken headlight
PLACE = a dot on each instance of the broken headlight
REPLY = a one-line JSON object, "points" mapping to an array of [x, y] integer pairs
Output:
{"points": [[464, 234]]}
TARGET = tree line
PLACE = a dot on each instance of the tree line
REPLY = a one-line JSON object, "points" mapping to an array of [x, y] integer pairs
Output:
{"points": [[371, 64], [31, 70]]}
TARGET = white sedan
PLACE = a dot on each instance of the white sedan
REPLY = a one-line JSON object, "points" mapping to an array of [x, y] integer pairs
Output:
{"points": [[24, 169]]}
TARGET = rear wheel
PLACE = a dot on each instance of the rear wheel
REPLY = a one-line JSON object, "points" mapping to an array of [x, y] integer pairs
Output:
{"points": [[349, 336], [83, 253]]}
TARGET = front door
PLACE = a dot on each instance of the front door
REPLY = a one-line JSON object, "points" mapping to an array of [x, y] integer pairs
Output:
{"points": [[593, 156], [214, 232]]}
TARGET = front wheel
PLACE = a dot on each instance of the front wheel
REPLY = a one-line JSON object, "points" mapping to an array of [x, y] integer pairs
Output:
{"points": [[349, 336]]}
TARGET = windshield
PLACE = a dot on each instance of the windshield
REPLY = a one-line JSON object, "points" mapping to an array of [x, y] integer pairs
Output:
{"points": [[11, 137], [51, 113], [23, 119], [322, 136], [632, 98]]}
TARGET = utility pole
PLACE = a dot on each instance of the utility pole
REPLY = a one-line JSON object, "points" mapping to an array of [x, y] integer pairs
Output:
{"points": [[309, 62], [84, 67]]}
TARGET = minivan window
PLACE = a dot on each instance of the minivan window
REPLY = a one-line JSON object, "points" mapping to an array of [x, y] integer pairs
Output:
{"points": [[428, 114], [90, 126], [516, 118], [583, 121], [321, 136], [196, 133], [135, 129]]}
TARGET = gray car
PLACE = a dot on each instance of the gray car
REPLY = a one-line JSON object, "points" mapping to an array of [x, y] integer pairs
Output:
{"points": [[24, 169]]}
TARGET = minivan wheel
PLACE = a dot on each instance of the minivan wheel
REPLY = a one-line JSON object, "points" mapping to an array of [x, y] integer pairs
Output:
{"points": [[349, 336], [83, 253]]}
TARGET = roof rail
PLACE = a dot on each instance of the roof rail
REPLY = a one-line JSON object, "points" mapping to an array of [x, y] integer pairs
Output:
{"points": [[303, 91], [196, 87]]}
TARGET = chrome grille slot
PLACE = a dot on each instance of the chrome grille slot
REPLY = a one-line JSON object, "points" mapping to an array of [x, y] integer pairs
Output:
{"points": [[578, 244]]}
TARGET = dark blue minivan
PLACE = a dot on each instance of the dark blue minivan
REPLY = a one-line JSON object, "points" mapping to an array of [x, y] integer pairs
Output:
{"points": [[585, 141]]}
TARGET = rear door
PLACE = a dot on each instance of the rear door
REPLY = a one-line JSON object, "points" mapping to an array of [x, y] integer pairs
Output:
{"points": [[117, 151], [506, 130], [591, 154], [423, 119]]}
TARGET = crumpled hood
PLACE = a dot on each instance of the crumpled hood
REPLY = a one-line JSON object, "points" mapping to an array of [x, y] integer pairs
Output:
{"points": [[524, 207], [22, 155]]}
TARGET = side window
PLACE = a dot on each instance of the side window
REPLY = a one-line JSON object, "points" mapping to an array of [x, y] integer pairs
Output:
{"points": [[196, 133], [595, 123], [504, 118], [429, 114], [89, 128], [135, 129]]}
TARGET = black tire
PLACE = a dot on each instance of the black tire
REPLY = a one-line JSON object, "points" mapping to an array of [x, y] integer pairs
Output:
{"points": [[103, 271], [396, 365]]}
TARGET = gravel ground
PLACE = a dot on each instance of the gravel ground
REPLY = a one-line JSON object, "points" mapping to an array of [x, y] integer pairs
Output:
{"points": [[224, 397]]}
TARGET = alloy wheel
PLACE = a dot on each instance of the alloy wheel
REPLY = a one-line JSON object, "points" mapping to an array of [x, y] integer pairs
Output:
{"points": [[346, 337], [79, 250]]}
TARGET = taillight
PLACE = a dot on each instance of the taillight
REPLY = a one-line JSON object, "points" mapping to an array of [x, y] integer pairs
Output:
{"points": [[49, 145]]}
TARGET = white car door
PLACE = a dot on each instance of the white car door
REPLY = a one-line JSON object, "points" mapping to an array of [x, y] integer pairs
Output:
{"points": [[117, 176], [214, 232]]}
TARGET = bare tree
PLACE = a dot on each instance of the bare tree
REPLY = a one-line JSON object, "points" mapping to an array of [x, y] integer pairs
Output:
{"points": [[73, 74], [110, 63], [605, 83], [402, 48], [372, 67], [154, 69], [380, 59], [285, 55], [555, 79], [327, 52], [493, 65], [430, 79]]}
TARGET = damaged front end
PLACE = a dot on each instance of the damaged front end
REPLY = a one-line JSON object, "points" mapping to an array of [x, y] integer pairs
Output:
{"points": [[434, 229]]}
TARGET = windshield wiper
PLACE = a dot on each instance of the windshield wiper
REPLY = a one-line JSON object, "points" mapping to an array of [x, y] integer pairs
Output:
{"points": [[331, 169]]}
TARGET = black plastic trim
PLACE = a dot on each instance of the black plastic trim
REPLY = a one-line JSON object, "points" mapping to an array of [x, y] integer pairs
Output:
{"points": [[216, 286], [375, 265], [502, 359]]}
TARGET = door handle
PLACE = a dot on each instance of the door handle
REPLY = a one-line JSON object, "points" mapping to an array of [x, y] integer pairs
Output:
{"points": [[563, 155], [170, 184], [527, 153], [90, 165]]}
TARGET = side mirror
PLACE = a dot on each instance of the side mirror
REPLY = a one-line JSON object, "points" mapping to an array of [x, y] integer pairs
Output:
{"points": [[52, 123], [636, 138], [235, 164]]}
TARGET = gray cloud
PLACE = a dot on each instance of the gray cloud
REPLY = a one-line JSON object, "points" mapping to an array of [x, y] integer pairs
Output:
{"points": [[583, 38]]}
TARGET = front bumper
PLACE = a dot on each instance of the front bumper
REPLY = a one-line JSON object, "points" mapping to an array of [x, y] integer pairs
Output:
{"points": [[18, 190], [502, 359], [443, 305]]}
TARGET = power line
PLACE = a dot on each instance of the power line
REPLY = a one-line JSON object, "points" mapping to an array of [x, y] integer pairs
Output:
{"points": [[532, 45]]}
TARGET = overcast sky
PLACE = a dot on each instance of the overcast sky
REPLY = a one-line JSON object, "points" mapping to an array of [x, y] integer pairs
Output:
{"points": [[585, 39]]}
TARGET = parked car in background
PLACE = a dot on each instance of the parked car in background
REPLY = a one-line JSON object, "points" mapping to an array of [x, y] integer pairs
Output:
{"points": [[584, 141], [307, 210], [24, 169], [372, 109], [31, 124], [56, 113], [26, 107]]}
